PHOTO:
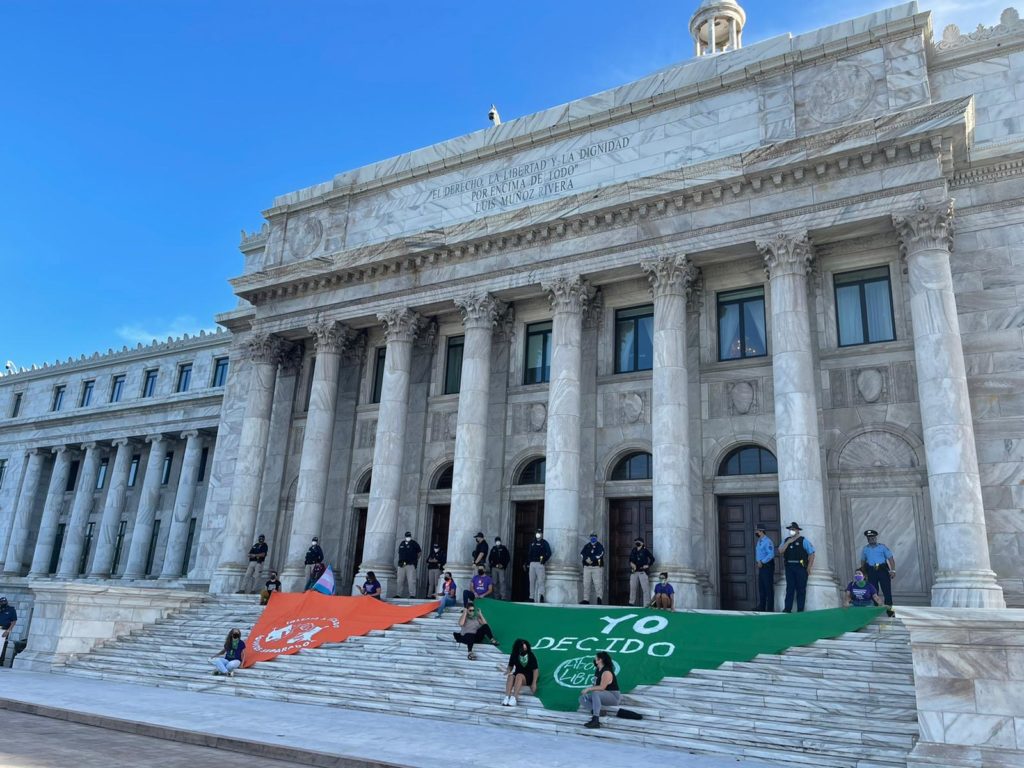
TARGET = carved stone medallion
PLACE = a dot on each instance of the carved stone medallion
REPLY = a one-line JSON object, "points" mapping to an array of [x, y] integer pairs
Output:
{"points": [[869, 385], [841, 92], [538, 417], [741, 395], [304, 236], [631, 407]]}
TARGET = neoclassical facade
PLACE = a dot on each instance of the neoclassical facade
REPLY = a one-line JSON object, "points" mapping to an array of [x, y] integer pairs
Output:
{"points": [[781, 281]]}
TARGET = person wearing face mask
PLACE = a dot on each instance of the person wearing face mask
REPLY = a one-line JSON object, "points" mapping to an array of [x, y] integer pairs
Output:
{"points": [[435, 564], [537, 555], [371, 587], [522, 670], [480, 551], [860, 592], [481, 585], [604, 692], [447, 594], [257, 554], [592, 555], [314, 556], [408, 555], [664, 593], [879, 565], [499, 560], [764, 556], [230, 656], [640, 561], [473, 629], [798, 556], [272, 585], [8, 618]]}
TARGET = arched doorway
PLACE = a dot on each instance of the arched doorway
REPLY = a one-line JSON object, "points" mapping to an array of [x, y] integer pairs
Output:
{"points": [[529, 516], [439, 499], [630, 516], [738, 516]]}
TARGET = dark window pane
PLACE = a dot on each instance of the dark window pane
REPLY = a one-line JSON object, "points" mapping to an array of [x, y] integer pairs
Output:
{"points": [[184, 377], [730, 345], [117, 389], [645, 343], [768, 464], [87, 389], [72, 477], [444, 480], [878, 302], [220, 372], [533, 473], [753, 328], [749, 462], [538, 354], [133, 471], [378, 374], [453, 365]]}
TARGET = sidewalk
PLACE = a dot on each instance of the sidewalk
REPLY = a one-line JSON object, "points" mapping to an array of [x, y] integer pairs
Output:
{"points": [[319, 736]]}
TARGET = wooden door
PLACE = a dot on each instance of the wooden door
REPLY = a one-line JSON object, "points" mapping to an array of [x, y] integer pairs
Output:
{"points": [[529, 517], [360, 515], [737, 516], [627, 519]]}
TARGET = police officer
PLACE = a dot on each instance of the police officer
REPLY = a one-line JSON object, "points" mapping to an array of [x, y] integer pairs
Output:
{"points": [[537, 556], [499, 560], [480, 551], [257, 554], [436, 561], [764, 556], [798, 557], [640, 561], [314, 555], [592, 555], [408, 555], [879, 565], [8, 618]]}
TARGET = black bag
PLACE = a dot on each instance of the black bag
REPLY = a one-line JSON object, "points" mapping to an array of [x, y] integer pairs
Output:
{"points": [[628, 714]]}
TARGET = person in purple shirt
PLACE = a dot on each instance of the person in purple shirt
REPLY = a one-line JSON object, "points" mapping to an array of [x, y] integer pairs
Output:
{"points": [[447, 594], [482, 586], [371, 587], [230, 657], [861, 592], [664, 593]]}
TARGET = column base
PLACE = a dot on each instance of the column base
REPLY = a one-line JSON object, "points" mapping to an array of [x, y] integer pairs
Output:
{"points": [[225, 580], [387, 575], [562, 584], [967, 589], [293, 579]]}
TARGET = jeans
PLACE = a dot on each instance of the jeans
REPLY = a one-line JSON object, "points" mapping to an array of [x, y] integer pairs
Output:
{"points": [[597, 699], [224, 666], [445, 602]]}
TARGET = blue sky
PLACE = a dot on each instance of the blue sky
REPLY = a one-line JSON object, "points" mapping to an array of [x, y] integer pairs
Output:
{"points": [[137, 138]]}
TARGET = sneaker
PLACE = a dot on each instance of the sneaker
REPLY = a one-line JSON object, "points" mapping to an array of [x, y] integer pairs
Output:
{"points": [[584, 602], [471, 656], [504, 701], [231, 673], [512, 701], [592, 723], [216, 673], [599, 601]]}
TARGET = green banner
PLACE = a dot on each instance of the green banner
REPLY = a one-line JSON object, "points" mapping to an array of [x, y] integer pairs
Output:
{"points": [[647, 645]]}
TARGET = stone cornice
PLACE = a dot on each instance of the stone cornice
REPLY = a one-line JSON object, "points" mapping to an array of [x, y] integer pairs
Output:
{"points": [[984, 173], [938, 130], [955, 48]]}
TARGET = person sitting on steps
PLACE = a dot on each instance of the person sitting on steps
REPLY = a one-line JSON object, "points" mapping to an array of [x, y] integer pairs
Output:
{"points": [[604, 692], [447, 594], [371, 587], [230, 656], [522, 670], [664, 593], [473, 629]]}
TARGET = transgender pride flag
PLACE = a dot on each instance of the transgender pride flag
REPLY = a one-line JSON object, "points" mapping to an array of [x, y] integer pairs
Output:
{"points": [[325, 585]]}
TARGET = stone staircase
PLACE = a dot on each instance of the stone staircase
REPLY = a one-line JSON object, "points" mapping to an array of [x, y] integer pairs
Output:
{"points": [[847, 702]]}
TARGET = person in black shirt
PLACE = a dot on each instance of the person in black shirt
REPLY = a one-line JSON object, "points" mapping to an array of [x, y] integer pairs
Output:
{"points": [[798, 557], [605, 690], [408, 555], [499, 560], [314, 556], [592, 556], [436, 561], [522, 670], [640, 561], [480, 551], [8, 618], [257, 554], [537, 556], [273, 585]]}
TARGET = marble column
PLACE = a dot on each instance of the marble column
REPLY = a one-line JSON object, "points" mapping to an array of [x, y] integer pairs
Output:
{"points": [[74, 532], [149, 499], [113, 507], [480, 313], [788, 260], [181, 516], [15, 558], [331, 339], [264, 354], [51, 512], [380, 545], [964, 577], [569, 298], [671, 279]]}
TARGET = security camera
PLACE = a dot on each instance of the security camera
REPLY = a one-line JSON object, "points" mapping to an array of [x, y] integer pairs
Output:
{"points": [[493, 115]]}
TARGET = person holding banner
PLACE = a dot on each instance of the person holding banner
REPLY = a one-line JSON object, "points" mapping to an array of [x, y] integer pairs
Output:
{"points": [[371, 587], [231, 655], [640, 561], [522, 670], [604, 692]]}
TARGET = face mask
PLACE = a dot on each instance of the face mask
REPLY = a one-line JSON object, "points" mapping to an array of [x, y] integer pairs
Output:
{"points": [[447, 578], [638, 545], [593, 539], [408, 539], [664, 579], [480, 571], [497, 542], [791, 531], [312, 543], [858, 578], [537, 536]]}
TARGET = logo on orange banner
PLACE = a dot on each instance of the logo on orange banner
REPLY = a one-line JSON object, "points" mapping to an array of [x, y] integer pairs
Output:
{"points": [[292, 622]]}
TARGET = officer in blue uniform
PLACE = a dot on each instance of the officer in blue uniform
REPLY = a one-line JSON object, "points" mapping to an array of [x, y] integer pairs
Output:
{"points": [[879, 565], [798, 556], [8, 618], [764, 556]]}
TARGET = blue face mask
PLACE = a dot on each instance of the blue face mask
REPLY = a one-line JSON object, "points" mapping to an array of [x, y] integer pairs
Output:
{"points": [[593, 539]]}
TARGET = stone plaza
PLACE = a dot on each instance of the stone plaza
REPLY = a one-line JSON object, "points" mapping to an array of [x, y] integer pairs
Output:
{"points": [[780, 281]]}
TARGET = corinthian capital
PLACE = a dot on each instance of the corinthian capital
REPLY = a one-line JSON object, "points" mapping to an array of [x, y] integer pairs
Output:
{"points": [[263, 348], [786, 254], [400, 324], [670, 275], [480, 310], [926, 228], [569, 294], [331, 336]]}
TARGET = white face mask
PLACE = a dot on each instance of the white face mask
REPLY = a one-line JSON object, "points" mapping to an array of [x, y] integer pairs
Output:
{"points": [[497, 542], [408, 538], [538, 536], [791, 531]]}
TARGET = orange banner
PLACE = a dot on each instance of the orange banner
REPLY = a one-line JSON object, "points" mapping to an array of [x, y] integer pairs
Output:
{"points": [[293, 621]]}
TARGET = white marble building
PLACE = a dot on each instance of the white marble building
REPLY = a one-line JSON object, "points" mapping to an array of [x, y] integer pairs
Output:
{"points": [[736, 290]]}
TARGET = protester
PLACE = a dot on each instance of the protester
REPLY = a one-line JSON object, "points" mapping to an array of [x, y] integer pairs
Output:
{"points": [[408, 555], [273, 585], [861, 592], [522, 670], [798, 555], [314, 555], [315, 572], [664, 593], [474, 629], [447, 594], [435, 564], [257, 554], [8, 618], [371, 587], [499, 560], [482, 585], [230, 657], [604, 692], [640, 561], [537, 555], [879, 565], [592, 556], [480, 550], [764, 556]]}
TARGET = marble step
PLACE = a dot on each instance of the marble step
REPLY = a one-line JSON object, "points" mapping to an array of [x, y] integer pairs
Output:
{"points": [[881, 672], [778, 674]]}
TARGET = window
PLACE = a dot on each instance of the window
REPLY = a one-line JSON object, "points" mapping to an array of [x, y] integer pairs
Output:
{"points": [[149, 383], [118, 546], [220, 372], [87, 389], [101, 476], [188, 546], [3, 471], [364, 484], [203, 458], [533, 473], [117, 389], [538, 353], [864, 307], [58, 397], [69, 486], [184, 377], [151, 553], [444, 480], [635, 466], [749, 460], [634, 339], [16, 407], [165, 473], [741, 324], [453, 365], [378, 374], [90, 529], [311, 372], [133, 470], [58, 543]]}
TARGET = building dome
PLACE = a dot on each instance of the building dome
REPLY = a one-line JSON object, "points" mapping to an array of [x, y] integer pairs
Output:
{"points": [[717, 26]]}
